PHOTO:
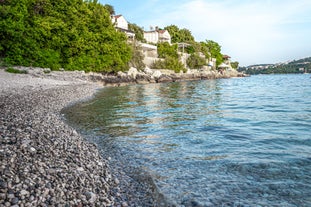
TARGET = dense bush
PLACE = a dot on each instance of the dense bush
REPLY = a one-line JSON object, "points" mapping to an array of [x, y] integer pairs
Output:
{"points": [[72, 34], [139, 32], [137, 57], [195, 61], [167, 50], [169, 63]]}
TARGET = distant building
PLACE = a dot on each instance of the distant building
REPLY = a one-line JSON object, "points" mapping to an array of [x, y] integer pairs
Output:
{"points": [[121, 24], [226, 64], [157, 36]]}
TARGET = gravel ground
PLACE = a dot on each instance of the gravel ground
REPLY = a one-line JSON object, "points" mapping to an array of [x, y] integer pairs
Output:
{"points": [[45, 162]]}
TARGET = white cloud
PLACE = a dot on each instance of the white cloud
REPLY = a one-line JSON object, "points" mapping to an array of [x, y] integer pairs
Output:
{"points": [[250, 31]]}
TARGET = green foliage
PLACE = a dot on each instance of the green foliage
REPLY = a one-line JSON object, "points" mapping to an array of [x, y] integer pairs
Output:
{"points": [[204, 49], [16, 71], [185, 35], [195, 61], [214, 49], [235, 65], [139, 32], [170, 63], [170, 55], [167, 50], [179, 35], [110, 9], [137, 58], [174, 32], [72, 34]]}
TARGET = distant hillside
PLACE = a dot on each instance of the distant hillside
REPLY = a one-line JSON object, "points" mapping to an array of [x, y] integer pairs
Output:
{"points": [[295, 66], [301, 61]]}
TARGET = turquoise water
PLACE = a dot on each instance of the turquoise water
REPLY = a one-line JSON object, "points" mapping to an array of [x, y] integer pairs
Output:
{"points": [[227, 142]]}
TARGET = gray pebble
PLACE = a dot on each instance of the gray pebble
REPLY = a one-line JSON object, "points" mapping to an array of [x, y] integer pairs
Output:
{"points": [[14, 201], [43, 160]]}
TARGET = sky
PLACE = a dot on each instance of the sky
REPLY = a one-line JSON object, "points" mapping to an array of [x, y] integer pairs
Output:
{"points": [[250, 31]]}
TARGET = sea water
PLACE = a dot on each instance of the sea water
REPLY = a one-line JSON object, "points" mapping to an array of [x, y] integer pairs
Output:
{"points": [[226, 142]]}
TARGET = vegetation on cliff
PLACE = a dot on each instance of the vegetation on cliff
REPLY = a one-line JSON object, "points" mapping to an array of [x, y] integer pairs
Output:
{"points": [[79, 35], [69, 34], [209, 48]]}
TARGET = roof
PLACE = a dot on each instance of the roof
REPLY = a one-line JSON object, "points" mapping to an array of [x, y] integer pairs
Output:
{"points": [[117, 16], [162, 31], [183, 44], [150, 31], [226, 56]]}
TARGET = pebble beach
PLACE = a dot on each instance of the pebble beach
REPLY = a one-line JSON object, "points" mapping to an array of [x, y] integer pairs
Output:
{"points": [[45, 162]]}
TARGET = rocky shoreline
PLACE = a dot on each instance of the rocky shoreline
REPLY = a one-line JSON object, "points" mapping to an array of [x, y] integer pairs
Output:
{"points": [[45, 162], [133, 76]]}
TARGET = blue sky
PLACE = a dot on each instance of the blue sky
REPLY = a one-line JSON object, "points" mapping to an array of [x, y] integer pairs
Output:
{"points": [[250, 31]]}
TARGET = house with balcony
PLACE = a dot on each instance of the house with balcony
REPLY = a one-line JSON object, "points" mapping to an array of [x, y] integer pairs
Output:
{"points": [[226, 64], [157, 36], [121, 25]]}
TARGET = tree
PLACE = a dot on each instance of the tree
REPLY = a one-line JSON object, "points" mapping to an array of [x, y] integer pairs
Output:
{"points": [[139, 32], [73, 34], [174, 32], [214, 49], [185, 36], [235, 65], [110, 9], [179, 35]]}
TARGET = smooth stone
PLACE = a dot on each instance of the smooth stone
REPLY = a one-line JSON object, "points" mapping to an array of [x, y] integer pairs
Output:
{"points": [[10, 196], [23, 192], [91, 197], [14, 201], [3, 184]]}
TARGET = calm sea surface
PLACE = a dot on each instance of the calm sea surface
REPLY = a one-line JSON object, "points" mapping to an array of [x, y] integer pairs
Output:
{"points": [[228, 142]]}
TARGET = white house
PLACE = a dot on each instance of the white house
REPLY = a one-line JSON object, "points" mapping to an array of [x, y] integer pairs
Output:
{"points": [[226, 63], [157, 36], [121, 24]]}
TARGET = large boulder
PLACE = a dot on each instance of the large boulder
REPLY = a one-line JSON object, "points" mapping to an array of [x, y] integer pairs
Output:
{"points": [[157, 74], [148, 71], [121, 74], [132, 72]]}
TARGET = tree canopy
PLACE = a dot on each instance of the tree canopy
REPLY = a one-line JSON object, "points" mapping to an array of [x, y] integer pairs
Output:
{"points": [[72, 34], [139, 32], [179, 35], [214, 50], [167, 50], [79, 35], [209, 48]]}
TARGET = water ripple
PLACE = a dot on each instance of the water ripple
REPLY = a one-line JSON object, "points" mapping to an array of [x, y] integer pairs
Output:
{"points": [[232, 142]]}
